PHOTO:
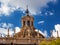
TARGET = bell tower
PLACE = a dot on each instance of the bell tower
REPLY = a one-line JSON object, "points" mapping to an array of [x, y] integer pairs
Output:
{"points": [[27, 25], [27, 20]]}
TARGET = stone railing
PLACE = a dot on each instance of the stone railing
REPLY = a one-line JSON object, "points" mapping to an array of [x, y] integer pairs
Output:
{"points": [[21, 40]]}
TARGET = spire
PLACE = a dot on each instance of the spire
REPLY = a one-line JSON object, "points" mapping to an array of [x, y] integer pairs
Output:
{"points": [[51, 33], [27, 11], [8, 33], [57, 35], [14, 31]]}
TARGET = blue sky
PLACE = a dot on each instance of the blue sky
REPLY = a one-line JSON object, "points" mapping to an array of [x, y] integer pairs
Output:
{"points": [[46, 15]]}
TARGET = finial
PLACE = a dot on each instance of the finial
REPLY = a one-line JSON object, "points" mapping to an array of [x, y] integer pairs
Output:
{"points": [[27, 12]]}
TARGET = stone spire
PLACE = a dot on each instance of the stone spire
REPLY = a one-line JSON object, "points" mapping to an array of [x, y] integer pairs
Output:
{"points": [[57, 35], [8, 33], [27, 11], [14, 31], [51, 33], [0, 35]]}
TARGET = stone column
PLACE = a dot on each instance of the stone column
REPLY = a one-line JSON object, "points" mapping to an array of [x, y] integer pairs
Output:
{"points": [[38, 34], [28, 33]]}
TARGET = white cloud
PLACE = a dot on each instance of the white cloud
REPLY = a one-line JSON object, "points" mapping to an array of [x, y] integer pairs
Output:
{"points": [[6, 25], [57, 28], [5, 31], [6, 10], [49, 13], [41, 22], [4, 28], [46, 13], [54, 33], [45, 33], [9, 6], [17, 29]]}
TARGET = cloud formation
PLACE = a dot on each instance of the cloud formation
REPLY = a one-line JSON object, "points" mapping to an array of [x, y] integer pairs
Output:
{"points": [[17, 29], [8, 6], [46, 34], [49, 13], [41, 22], [4, 31], [57, 28], [6, 25]]}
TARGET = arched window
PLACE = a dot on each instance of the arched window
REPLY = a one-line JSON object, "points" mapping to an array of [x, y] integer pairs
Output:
{"points": [[28, 23], [24, 23]]}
